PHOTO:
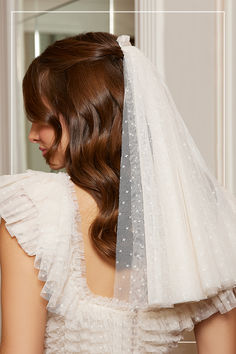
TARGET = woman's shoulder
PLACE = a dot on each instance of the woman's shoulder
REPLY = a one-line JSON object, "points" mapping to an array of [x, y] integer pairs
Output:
{"points": [[29, 177], [34, 199], [37, 184], [38, 210]]}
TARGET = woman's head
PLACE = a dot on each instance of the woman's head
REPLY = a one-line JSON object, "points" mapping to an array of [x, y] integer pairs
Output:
{"points": [[77, 81], [73, 95]]}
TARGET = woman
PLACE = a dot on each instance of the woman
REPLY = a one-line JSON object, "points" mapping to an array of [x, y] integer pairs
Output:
{"points": [[58, 272]]}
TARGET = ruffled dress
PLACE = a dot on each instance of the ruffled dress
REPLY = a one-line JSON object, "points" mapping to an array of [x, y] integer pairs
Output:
{"points": [[41, 211]]}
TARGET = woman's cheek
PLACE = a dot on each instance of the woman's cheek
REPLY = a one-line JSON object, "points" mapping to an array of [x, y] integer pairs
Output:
{"points": [[47, 135]]}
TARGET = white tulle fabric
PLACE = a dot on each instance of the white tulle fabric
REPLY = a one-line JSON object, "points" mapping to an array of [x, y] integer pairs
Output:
{"points": [[176, 235], [41, 211]]}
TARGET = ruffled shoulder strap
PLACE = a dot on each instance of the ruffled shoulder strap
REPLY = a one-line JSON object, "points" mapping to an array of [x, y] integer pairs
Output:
{"points": [[37, 209]]}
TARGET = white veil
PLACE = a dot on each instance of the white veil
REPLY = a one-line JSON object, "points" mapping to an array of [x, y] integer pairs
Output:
{"points": [[176, 231]]}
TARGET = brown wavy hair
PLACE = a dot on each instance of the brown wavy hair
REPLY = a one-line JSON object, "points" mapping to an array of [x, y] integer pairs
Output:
{"points": [[81, 77]]}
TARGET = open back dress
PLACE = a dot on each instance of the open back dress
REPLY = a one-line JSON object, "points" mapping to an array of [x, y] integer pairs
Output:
{"points": [[41, 210]]}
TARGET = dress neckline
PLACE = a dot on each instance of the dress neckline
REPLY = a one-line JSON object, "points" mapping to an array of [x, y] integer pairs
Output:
{"points": [[79, 249]]}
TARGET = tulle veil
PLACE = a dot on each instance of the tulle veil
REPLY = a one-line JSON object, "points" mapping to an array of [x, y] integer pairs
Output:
{"points": [[176, 232]]}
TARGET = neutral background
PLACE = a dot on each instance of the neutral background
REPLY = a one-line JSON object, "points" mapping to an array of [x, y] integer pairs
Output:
{"points": [[193, 50]]}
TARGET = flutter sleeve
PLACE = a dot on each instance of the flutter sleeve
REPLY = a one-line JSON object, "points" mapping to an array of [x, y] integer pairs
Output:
{"points": [[35, 207]]}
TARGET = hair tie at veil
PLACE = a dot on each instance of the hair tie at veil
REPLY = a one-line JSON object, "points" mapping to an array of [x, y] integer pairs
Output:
{"points": [[124, 40], [176, 223]]}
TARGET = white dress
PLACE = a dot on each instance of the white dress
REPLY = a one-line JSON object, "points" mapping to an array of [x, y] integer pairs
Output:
{"points": [[42, 212]]}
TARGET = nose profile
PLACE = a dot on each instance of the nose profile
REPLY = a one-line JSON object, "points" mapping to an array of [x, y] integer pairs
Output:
{"points": [[33, 134]]}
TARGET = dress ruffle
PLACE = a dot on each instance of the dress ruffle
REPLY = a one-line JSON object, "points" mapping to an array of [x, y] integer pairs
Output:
{"points": [[40, 210], [35, 216], [167, 325]]}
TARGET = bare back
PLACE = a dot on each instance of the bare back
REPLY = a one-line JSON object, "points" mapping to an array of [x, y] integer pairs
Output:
{"points": [[99, 272]]}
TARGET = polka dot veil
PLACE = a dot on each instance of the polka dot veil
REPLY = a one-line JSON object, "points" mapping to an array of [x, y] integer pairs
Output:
{"points": [[176, 222]]}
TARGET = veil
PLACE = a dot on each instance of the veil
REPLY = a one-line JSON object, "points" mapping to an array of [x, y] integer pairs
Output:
{"points": [[176, 230]]}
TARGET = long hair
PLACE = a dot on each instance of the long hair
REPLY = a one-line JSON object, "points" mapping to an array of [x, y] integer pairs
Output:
{"points": [[81, 77]]}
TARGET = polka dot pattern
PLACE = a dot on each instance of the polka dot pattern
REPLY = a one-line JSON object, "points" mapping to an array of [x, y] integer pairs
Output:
{"points": [[176, 222]]}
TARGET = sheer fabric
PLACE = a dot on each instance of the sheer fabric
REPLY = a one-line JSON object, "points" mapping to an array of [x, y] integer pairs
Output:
{"points": [[176, 226], [41, 211]]}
